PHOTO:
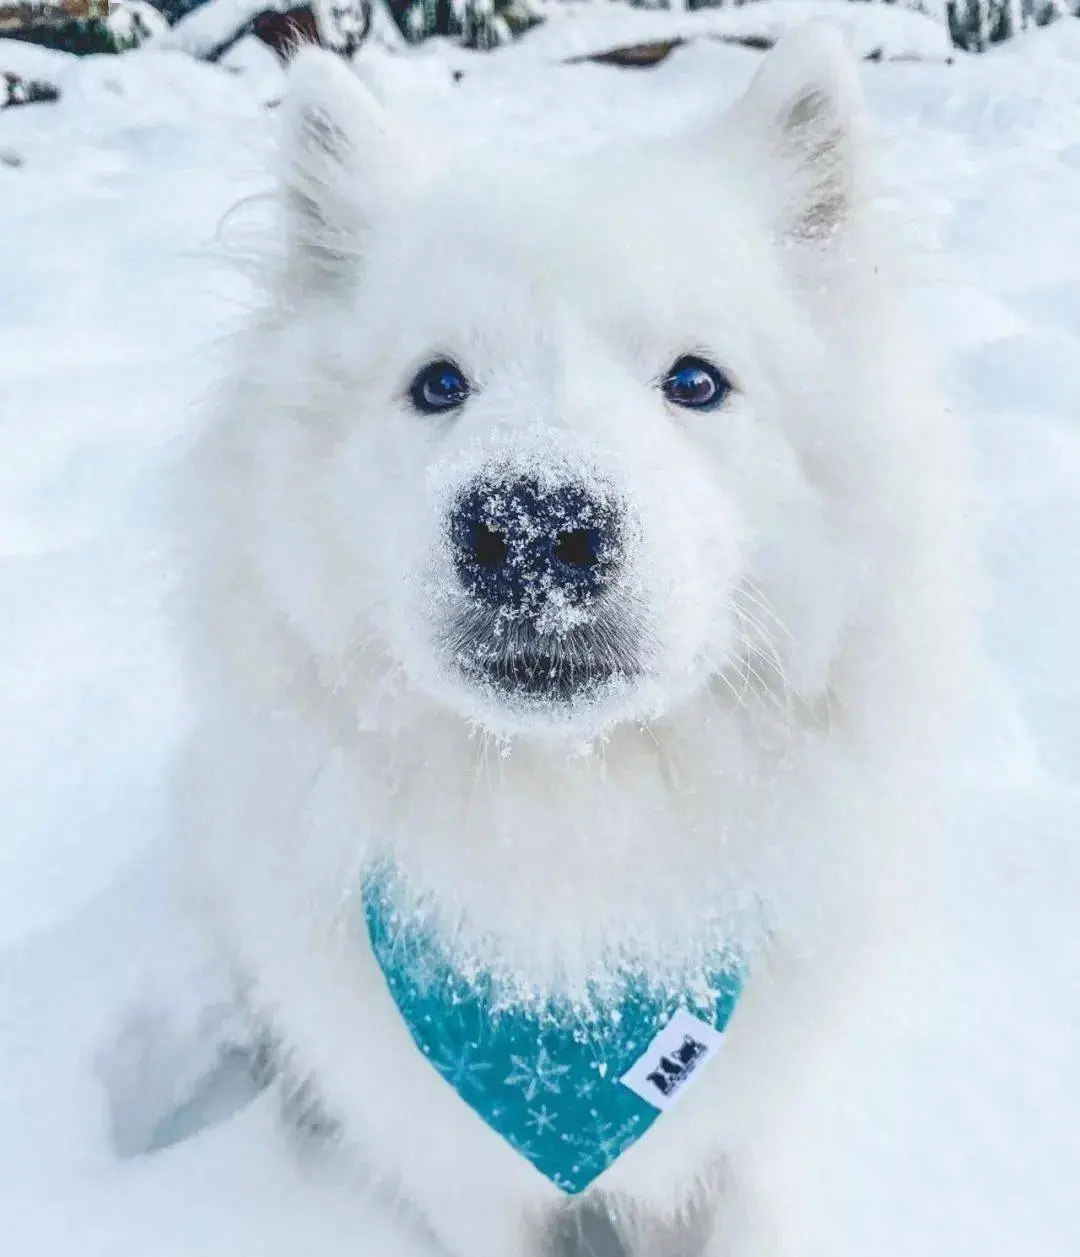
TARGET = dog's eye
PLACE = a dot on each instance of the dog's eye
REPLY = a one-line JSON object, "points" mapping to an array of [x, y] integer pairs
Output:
{"points": [[696, 384], [438, 387]]}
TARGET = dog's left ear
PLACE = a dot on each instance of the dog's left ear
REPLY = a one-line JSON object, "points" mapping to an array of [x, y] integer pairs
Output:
{"points": [[802, 122]]}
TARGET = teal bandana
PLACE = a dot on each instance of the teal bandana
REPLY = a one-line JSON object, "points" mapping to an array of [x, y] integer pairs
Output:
{"points": [[569, 1087]]}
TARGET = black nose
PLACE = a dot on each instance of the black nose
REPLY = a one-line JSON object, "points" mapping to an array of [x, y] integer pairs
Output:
{"points": [[522, 547]]}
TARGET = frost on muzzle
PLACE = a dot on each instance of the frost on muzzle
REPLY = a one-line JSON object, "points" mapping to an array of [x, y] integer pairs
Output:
{"points": [[540, 567]]}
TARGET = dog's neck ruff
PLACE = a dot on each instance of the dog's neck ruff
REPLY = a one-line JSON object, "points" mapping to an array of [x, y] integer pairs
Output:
{"points": [[570, 1085]]}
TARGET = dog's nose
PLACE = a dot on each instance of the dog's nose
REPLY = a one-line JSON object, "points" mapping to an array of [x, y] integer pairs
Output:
{"points": [[522, 546]]}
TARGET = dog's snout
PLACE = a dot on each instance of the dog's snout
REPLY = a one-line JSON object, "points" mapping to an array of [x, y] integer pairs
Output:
{"points": [[519, 544]]}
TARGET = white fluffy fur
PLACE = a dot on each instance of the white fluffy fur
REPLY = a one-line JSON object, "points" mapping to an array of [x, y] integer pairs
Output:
{"points": [[798, 569]]}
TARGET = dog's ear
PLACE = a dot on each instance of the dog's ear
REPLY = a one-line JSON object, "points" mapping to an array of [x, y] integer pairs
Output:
{"points": [[339, 150], [803, 116]]}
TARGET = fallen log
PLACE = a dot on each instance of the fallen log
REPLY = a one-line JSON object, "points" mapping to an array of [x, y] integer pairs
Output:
{"points": [[644, 56]]}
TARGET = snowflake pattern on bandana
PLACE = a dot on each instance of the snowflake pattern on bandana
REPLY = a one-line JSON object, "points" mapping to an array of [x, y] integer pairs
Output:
{"points": [[550, 1077]]}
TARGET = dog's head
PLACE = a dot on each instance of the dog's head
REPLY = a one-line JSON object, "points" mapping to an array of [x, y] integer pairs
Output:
{"points": [[569, 441]]}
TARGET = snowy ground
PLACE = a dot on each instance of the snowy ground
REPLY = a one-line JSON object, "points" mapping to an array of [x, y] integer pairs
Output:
{"points": [[113, 301]]}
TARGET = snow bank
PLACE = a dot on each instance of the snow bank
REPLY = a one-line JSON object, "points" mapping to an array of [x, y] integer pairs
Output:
{"points": [[572, 30], [30, 61], [209, 26]]}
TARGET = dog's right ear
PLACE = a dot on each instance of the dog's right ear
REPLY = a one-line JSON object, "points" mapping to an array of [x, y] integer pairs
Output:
{"points": [[339, 152]]}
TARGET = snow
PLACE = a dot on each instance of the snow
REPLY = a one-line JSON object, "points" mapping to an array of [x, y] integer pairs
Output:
{"points": [[135, 21], [577, 30], [210, 25], [31, 61], [203, 30], [260, 65], [115, 299]]}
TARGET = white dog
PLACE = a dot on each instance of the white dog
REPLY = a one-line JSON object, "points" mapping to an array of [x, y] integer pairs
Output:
{"points": [[578, 588]]}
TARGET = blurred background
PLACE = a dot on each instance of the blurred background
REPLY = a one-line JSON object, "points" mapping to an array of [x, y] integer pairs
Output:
{"points": [[210, 28], [129, 132]]}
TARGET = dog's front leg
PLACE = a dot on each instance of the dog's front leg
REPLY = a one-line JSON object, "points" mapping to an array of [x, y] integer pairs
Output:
{"points": [[763, 1211]]}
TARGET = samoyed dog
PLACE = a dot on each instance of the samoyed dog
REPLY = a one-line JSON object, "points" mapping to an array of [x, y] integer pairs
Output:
{"points": [[577, 599]]}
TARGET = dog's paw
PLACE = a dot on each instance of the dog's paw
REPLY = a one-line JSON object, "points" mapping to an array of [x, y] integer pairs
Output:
{"points": [[167, 1077]]}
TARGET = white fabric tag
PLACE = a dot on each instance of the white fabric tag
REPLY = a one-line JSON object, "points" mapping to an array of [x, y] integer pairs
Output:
{"points": [[673, 1059]]}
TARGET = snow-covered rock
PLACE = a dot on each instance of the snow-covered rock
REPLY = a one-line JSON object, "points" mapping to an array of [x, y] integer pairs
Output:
{"points": [[15, 90], [210, 30], [133, 22], [211, 27]]}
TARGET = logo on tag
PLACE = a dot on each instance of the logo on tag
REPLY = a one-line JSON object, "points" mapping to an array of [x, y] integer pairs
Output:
{"points": [[672, 1060]]}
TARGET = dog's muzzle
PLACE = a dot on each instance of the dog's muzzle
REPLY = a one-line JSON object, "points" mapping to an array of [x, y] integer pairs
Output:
{"points": [[538, 565]]}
